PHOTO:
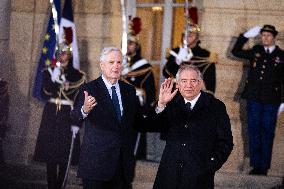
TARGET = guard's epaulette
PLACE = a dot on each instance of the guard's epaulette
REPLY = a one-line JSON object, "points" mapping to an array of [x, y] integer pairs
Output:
{"points": [[169, 73], [82, 72], [138, 72], [213, 57], [77, 84]]}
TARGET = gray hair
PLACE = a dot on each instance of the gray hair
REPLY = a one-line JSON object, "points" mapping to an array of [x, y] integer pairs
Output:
{"points": [[106, 51], [185, 67]]}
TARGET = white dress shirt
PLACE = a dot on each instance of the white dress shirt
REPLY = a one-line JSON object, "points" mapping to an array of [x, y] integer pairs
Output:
{"points": [[271, 48]]}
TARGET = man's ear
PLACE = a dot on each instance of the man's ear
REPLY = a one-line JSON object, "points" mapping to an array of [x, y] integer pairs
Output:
{"points": [[176, 86], [101, 65], [203, 86]]}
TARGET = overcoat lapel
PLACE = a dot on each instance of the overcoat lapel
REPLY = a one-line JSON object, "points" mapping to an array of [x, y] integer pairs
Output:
{"points": [[180, 108], [200, 103]]}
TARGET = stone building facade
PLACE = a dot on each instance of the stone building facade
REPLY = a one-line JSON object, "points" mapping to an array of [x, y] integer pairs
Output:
{"points": [[98, 22]]}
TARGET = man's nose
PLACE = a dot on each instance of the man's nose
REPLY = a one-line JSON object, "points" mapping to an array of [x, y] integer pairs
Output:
{"points": [[117, 64]]}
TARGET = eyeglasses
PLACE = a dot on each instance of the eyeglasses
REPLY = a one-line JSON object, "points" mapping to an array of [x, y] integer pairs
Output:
{"points": [[193, 82]]}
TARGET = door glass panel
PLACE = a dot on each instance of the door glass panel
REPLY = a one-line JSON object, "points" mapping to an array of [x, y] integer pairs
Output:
{"points": [[177, 25], [151, 33], [149, 1], [182, 1], [179, 21]]}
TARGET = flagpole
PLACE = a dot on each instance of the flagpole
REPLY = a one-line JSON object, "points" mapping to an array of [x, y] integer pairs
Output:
{"points": [[56, 29], [124, 35]]}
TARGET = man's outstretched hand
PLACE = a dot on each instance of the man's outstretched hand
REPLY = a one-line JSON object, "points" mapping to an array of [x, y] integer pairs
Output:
{"points": [[89, 102], [166, 93]]}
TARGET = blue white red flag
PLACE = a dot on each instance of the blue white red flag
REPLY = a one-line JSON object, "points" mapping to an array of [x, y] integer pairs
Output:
{"points": [[66, 23]]}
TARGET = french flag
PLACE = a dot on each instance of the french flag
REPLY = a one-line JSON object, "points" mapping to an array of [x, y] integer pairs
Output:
{"points": [[67, 28]]}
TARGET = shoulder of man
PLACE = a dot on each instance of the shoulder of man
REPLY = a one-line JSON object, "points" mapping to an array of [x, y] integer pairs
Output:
{"points": [[126, 85], [279, 50], [212, 100], [199, 51], [90, 84], [257, 47]]}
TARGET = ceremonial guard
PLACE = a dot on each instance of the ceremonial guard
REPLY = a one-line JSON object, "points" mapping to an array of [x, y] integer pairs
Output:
{"points": [[139, 73], [190, 52], [263, 92], [60, 87]]}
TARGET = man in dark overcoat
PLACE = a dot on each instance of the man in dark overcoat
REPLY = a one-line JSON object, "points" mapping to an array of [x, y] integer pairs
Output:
{"points": [[199, 138], [263, 92]]}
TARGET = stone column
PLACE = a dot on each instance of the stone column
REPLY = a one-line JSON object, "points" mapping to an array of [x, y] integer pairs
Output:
{"points": [[20, 66], [4, 38]]}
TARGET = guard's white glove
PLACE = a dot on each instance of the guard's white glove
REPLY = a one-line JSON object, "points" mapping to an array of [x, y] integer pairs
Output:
{"points": [[184, 55], [125, 71], [280, 109], [253, 32], [63, 78], [55, 74], [75, 130], [141, 96]]}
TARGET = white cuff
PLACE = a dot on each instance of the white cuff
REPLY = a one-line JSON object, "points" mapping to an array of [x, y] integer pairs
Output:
{"points": [[159, 109], [83, 113]]}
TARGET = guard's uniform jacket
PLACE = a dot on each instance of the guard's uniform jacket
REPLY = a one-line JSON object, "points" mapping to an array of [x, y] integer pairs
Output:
{"points": [[54, 138], [265, 80], [142, 78], [203, 59]]}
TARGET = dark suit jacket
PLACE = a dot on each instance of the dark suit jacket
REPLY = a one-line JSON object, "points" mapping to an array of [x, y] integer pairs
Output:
{"points": [[197, 143], [106, 143]]}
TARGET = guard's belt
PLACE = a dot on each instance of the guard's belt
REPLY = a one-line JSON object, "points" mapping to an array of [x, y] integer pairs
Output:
{"points": [[60, 102]]}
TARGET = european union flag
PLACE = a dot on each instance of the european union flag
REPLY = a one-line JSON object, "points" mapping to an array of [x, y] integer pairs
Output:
{"points": [[47, 52]]}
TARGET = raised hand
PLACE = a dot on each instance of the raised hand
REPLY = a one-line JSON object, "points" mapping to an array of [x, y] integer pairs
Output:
{"points": [[184, 55], [166, 93], [55, 74], [253, 32], [89, 102]]}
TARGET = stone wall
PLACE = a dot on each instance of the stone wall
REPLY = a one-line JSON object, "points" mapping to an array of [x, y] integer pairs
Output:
{"points": [[5, 10]]}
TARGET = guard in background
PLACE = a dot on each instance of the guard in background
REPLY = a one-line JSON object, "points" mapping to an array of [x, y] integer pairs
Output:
{"points": [[263, 92], [60, 88], [4, 103], [140, 74], [190, 52]]}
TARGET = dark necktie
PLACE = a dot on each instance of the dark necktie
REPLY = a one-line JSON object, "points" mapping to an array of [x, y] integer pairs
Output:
{"points": [[188, 106], [267, 51], [115, 103]]}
